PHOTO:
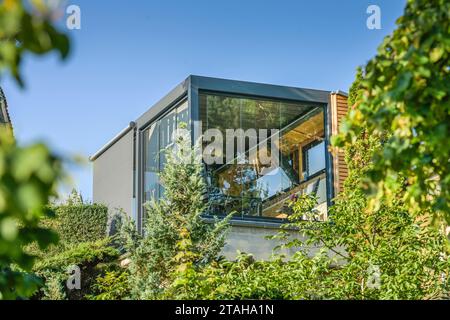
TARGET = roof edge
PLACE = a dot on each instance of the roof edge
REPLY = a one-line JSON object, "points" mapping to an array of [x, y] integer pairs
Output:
{"points": [[201, 77], [108, 145], [340, 92]]}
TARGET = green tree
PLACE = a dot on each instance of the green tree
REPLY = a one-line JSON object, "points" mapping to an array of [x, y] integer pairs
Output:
{"points": [[23, 31], [176, 238], [405, 96], [112, 286], [385, 252], [355, 91], [28, 175], [28, 178]]}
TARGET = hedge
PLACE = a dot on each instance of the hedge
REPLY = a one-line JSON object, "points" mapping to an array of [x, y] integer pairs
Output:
{"points": [[76, 223]]}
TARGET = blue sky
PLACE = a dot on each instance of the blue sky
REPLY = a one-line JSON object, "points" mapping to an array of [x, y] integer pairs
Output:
{"points": [[129, 54]]}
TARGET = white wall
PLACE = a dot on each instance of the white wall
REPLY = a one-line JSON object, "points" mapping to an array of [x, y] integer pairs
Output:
{"points": [[113, 175]]}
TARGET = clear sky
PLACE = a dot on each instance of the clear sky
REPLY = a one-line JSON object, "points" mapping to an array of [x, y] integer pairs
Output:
{"points": [[129, 54]]}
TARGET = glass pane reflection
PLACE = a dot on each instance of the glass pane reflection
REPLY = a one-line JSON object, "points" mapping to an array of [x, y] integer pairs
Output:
{"points": [[249, 186]]}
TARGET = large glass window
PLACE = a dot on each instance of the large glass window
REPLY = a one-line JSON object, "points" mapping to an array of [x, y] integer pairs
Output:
{"points": [[276, 149], [151, 165], [314, 155], [157, 138], [267, 151]]}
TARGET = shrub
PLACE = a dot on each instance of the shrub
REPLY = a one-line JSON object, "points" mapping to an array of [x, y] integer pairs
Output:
{"points": [[112, 286], [54, 288], [86, 252], [370, 250], [245, 278], [93, 259], [75, 222], [83, 242], [388, 254], [81, 222]]}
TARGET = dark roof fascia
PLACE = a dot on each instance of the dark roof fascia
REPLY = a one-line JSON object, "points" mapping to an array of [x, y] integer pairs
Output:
{"points": [[201, 83], [259, 89]]}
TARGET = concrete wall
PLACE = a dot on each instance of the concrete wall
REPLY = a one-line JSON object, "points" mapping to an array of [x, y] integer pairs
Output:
{"points": [[113, 175], [252, 239]]}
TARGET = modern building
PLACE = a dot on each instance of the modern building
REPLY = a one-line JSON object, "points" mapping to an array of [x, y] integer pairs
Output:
{"points": [[4, 115], [291, 127]]}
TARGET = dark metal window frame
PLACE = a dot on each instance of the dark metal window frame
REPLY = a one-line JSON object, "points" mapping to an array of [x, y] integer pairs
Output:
{"points": [[192, 87], [305, 156], [141, 159]]}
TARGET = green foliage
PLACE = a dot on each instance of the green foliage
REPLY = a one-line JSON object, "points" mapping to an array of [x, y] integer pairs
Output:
{"points": [[112, 286], [410, 255], [81, 222], [93, 259], [395, 149], [86, 252], [75, 222], [245, 278], [354, 94], [28, 177], [54, 288], [387, 253], [176, 237], [382, 252], [405, 96], [22, 32], [83, 242]]}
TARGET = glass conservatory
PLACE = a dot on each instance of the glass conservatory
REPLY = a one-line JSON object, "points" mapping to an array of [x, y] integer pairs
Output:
{"points": [[242, 126]]}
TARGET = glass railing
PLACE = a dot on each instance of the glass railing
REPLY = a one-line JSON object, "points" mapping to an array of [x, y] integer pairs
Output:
{"points": [[274, 207]]}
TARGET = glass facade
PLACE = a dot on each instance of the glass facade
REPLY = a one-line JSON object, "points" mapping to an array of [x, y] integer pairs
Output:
{"points": [[263, 151], [158, 137], [241, 180]]}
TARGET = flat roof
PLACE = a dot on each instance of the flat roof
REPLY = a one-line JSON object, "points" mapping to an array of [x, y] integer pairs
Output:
{"points": [[201, 83]]}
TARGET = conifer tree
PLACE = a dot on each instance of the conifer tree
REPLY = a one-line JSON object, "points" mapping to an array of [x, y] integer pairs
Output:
{"points": [[176, 236]]}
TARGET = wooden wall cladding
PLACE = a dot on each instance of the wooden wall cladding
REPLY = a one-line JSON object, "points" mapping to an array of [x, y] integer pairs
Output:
{"points": [[339, 109]]}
